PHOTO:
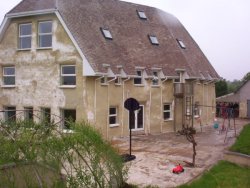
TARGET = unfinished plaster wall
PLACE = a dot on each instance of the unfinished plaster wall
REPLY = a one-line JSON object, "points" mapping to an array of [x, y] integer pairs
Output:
{"points": [[38, 70]]}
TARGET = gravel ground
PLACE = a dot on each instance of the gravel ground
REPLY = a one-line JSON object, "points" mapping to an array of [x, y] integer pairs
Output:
{"points": [[157, 155]]}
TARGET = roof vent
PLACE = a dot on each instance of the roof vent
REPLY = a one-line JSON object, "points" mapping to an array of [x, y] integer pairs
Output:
{"points": [[153, 39], [142, 15], [106, 33]]}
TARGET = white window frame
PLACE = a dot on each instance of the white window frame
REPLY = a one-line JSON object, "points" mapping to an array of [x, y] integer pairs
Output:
{"points": [[139, 77], [106, 33], [6, 113], [44, 34], [65, 75], [153, 39], [142, 15], [155, 80], [64, 128], [167, 111], [9, 75], [114, 115], [118, 81], [24, 36]]}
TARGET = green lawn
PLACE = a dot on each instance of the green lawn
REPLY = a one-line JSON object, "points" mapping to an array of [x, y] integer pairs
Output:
{"points": [[224, 174], [242, 144]]}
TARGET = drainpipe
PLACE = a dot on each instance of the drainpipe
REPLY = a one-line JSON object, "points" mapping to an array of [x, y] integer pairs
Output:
{"points": [[162, 104], [123, 100], [95, 96], [108, 106]]}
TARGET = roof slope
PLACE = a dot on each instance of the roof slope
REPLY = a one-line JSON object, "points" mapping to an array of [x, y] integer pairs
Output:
{"points": [[130, 47]]}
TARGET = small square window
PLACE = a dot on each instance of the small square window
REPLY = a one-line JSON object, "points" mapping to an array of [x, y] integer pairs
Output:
{"points": [[182, 45], [153, 39], [25, 35], [118, 81], [9, 76], [167, 114], [45, 34], [104, 80], [68, 75], [142, 15], [106, 33]]}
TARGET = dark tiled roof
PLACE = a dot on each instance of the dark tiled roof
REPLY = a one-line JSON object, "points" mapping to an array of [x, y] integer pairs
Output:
{"points": [[130, 46]]}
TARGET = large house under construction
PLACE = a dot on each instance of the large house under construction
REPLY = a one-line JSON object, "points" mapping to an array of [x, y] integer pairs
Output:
{"points": [[83, 58]]}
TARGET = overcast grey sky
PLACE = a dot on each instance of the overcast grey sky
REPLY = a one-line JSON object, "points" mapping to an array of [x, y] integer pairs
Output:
{"points": [[220, 27]]}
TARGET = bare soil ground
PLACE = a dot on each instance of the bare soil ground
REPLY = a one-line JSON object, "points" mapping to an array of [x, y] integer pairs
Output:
{"points": [[157, 155]]}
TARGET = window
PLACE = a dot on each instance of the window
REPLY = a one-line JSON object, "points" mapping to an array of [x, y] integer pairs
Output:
{"points": [[46, 115], [196, 110], [28, 113], [155, 80], [118, 81], [25, 32], [178, 80], [45, 34], [167, 112], [106, 33], [138, 79], [142, 15], [104, 80], [182, 45], [10, 113], [68, 75], [113, 116], [68, 116], [9, 76], [153, 39]]}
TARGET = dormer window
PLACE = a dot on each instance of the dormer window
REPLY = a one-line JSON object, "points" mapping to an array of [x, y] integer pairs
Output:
{"points": [[142, 15], [182, 45], [153, 39], [106, 33], [155, 80], [118, 81], [104, 80], [138, 78]]}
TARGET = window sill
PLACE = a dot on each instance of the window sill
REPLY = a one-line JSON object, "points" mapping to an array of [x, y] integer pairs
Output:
{"points": [[44, 48], [156, 86], [23, 49], [8, 86], [118, 84], [67, 131], [106, 84], [114, 125], [139, 85], [67, 86], [167, 120]]}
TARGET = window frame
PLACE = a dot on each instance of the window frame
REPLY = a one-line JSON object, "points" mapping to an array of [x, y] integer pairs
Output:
{"points": [[155, 80], [9, 75], [118, 81], [139, 77], [46, 114], [67, 75], [114, 115], [167, 111], [106, 33], [154, 40], [6, 113], [44, 34], [28, 113], [64, 126], [142, 15], [24, 36]]}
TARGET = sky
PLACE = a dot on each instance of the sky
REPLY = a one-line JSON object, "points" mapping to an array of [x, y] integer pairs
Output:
{"points": [[220, 27]]}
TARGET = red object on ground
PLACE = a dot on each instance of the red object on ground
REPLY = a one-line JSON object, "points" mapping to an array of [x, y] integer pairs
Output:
{"points": [[178, 169]]}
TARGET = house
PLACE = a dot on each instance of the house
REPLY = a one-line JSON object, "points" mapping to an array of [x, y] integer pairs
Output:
{"points": [[83, 58], [241, 97]]}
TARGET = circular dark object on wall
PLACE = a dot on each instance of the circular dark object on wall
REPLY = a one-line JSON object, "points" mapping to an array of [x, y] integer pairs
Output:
{"points": [[131, 104]]}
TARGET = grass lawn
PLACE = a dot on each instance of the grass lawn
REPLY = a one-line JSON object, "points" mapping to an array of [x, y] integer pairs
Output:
{"points": [[224, 174], [242, 144]]}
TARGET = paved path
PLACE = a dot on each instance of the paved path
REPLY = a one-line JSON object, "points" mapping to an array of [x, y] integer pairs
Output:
{"points": [[157, 155]]}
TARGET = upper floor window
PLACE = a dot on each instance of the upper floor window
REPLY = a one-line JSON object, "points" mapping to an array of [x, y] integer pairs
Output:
{"points": [[153, 39], [45, 34], [155, 80], [138, 78], [167, 112], [25, 35], [182, 45], [118, 81], [68, 75], [142, 15], [106, 33], [9, 76]]}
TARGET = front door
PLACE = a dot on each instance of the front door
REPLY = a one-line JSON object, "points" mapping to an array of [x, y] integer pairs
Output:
{"points": [[138, 119], [248, 108]]}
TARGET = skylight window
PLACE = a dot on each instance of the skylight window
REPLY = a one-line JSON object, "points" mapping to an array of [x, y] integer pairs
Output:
{"points": [[106, 33], [142, 15], [182, 45], [153, 39]]}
